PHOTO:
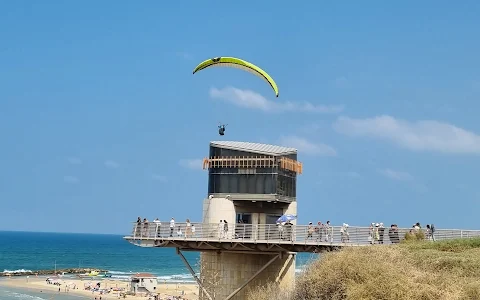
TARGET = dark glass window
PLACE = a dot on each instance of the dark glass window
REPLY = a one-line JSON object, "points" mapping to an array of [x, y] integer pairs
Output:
{"points": [[250, 180]]}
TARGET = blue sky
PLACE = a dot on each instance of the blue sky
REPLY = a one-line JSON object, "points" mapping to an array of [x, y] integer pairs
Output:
{"points": [[101, 119]]}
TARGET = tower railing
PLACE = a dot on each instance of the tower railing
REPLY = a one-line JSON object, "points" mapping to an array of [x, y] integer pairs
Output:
{"points": [[252, 162], [295, 234]]}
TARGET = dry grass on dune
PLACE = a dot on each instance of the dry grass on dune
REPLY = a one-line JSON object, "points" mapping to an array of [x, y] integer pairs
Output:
{"points": [[416, 270]]}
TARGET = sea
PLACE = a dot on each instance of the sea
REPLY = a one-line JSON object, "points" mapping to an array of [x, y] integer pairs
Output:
{"points": [[30, 251]]}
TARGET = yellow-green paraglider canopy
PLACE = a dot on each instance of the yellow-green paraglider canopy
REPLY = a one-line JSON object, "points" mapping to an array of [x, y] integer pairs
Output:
{"points": [[239, 64]]}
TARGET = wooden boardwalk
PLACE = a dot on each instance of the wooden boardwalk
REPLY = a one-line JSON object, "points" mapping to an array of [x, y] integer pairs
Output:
{"points": [[271, 237]]}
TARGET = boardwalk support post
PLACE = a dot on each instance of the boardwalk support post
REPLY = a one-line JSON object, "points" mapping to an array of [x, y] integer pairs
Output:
{"points": [[193, 273], [277, 256], [285, 265]]}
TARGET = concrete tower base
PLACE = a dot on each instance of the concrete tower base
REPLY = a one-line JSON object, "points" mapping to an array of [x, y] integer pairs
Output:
{"points": [[230, 275]]}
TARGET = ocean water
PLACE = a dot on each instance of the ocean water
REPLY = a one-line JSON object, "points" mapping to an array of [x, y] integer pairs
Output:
{"points": [[40, 251]]}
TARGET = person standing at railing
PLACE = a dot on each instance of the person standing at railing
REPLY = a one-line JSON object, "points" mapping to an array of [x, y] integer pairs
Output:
{"points": [[145, 227], [188, 229], [376, 233], [193, 230], [157, 224], [179, 231], [289, 231], [172, 226], [381, 233], [370, 233], [138, 227], [319, 230], [221, 229], [225, 229], [432, 229], [310, 231], [345, 236], [428, 232], [393, 234], [280, 230], [328, 232]]}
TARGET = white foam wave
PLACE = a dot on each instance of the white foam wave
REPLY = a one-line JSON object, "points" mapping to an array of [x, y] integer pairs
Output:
{"points": [[16, 271], [23, 296], [125, 276]]}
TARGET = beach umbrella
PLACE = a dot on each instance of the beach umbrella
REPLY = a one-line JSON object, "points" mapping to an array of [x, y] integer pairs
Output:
{"points": [[286, 218]]}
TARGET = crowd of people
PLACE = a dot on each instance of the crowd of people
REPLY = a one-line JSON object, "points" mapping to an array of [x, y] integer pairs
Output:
{"points": [[320, 232]]}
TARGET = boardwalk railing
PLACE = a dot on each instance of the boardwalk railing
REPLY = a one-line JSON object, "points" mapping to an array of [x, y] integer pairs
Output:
{"points": [[297, 234]]}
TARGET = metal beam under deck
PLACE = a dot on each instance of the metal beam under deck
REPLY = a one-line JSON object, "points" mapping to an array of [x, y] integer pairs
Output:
{"points": [[255, 197], [245, 246]]}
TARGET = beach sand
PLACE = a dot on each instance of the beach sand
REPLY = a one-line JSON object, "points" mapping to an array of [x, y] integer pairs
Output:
{"points": [[190, 291]]}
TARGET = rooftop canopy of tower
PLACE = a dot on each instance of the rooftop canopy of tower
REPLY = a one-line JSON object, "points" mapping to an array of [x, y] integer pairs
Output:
{"points": [[264, 149]]}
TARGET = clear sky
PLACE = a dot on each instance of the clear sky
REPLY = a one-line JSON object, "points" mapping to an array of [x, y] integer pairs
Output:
{"points": [[101, 119]]}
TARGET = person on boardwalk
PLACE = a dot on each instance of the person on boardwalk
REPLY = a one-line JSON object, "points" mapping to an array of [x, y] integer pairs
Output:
{"points": [[328, 232], [157, 227], [188, 229], [220, 229], [310, 231], [381, 233], [225, 229], [393, 234], [138, 228], [193, 230], [145, 227], [172, 226], [319, 231], [345, 236]]}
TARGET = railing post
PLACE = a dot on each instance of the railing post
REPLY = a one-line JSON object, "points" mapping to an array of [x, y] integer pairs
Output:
{"points": [[243, 231]]}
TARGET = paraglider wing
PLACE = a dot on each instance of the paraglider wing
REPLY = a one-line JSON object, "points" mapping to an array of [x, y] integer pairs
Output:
{"points": [[239, 64]]}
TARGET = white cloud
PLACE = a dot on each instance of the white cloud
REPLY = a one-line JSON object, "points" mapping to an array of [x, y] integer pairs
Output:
{"points": [[396, 175], [423, 135], [111, 164], [194, 164], [70, 179], [160, 178], [252, 100], [74, 160], [307, 147]]}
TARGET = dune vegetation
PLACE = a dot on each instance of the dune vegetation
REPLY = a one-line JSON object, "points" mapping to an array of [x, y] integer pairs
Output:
{"points": [[444, 270]]}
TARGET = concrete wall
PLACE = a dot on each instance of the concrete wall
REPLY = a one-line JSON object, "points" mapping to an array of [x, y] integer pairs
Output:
{"points": [[216, 209], [224, 272], [291, 209]]}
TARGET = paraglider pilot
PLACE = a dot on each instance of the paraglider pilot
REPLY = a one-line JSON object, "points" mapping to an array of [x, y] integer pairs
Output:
{"points": [[221, 129]]}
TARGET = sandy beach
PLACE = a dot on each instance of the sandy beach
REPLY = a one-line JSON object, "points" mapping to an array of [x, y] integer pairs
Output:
{"points": [[76, 286]]}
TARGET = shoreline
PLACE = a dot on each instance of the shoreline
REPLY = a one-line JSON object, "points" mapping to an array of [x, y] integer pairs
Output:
{"points": [[76, 287]]}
